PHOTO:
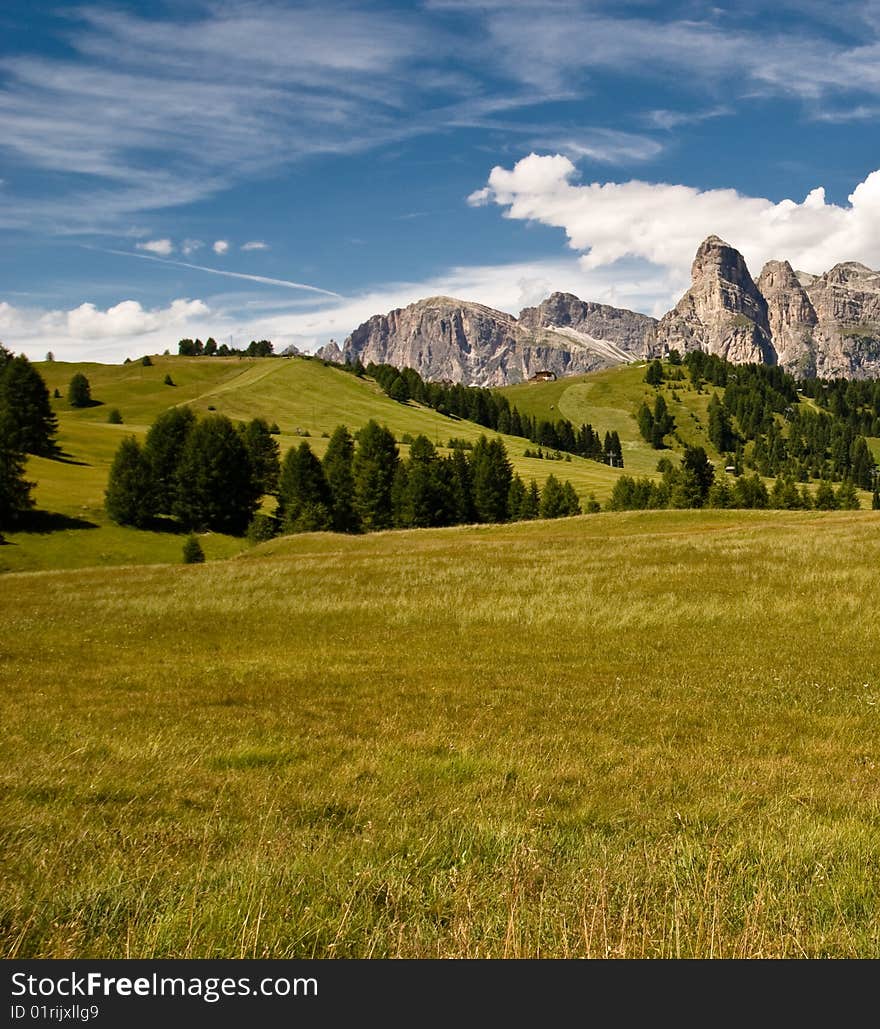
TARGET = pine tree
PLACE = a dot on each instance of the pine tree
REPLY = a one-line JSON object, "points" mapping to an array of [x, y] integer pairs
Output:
{"points": [[192, 551], [552, 499], [654, 373], [424, 502], [460, 488], [531, 505], [571, 501], [263, 454], [24, 397], [492, 475], [163, 449], [304, 501], [79, 392], [337, 466], [373, 467], [215, 482], [825, 500], [15, 490], [515, 498], [128, 497], [846, 496]]}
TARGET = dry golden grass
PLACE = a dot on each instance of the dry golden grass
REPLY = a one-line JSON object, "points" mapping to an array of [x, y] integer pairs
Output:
{"points": [[633, 735]]}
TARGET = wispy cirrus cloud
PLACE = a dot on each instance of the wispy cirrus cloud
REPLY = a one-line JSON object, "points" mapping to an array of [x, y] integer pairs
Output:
{"points": [[148, 112], [255, 244], [266, 280]]}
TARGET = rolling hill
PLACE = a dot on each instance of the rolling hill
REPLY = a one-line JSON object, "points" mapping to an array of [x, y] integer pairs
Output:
{"points": [[307, 398]]}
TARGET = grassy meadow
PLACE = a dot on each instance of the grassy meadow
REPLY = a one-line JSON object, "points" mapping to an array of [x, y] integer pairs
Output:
{"points": [[648, 734], [304, 398]]}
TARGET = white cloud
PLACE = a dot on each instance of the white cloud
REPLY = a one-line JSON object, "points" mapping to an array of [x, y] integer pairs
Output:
{"points": [[111, 334], [128, 329], [128, 319], [190, 246], [255, 244], [221, 246], [664, 223], [163, 247]]}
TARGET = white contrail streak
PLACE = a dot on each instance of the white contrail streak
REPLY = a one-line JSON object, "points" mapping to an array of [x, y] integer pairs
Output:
{"points": [[219, 271]]}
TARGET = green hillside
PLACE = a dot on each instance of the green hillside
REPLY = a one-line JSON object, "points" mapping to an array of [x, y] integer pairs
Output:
{"points": [[302, 396], [609, 399]]}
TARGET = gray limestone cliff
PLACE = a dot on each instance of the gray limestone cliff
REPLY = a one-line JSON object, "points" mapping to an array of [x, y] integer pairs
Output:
{"points": [[722, 313]]}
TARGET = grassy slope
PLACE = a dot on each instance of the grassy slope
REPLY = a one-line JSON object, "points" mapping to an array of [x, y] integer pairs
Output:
{"points": [[299, 395], [644, 734]]}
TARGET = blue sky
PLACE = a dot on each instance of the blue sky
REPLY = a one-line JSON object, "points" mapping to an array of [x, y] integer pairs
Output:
{"points": [[174, 169]]}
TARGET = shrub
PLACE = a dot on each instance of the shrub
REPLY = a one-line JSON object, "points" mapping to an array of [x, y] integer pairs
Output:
{"points": [[192, 551], [262, 527], [114, 416], [146, 361], [168, 380]]}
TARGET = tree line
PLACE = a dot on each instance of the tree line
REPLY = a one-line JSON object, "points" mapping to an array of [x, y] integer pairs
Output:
{"points": [[761, 423], [210, 474], [494, 411], [693, 484], [210, 348]]}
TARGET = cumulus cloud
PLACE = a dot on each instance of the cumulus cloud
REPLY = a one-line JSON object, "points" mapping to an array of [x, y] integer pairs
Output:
{"points": [[664, 223], [221, 246], [162, 247], [128, 319], [88, 331], [255, 244], [190, 246]]}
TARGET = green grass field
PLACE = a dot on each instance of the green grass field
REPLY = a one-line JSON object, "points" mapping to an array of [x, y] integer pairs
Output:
{"points": [[301, 396], [627, 735]]}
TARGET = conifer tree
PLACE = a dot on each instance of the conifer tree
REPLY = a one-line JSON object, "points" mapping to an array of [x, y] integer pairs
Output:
{"points": [[15, 490], [263, 454], [163, 449], [304, 501], [373, 467], [492, 475], [24, 397], [215, 482], [515, 498], [79, 393], [337, 466], [192, 551], [128, 497]]}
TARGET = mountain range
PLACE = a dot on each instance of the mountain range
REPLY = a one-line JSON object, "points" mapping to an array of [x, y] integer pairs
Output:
{"points": [[812, 325]]}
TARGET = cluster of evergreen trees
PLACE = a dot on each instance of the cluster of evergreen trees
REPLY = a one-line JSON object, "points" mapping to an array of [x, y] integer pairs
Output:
{"points": [[761, 424], [494, 411], [28, 425], [364, 485], [210, 348], [693, 483], [206, 473], [212, 474]]}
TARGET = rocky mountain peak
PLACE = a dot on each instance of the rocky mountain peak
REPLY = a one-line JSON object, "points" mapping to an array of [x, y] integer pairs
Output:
{"points": [[723, 312]]}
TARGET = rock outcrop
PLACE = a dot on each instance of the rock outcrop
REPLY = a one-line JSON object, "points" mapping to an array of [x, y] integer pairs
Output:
{"points": [[846, 338], [629, 332], [722, 313], [792, 318], [330, 352], [826, 325], [448, 339]]}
